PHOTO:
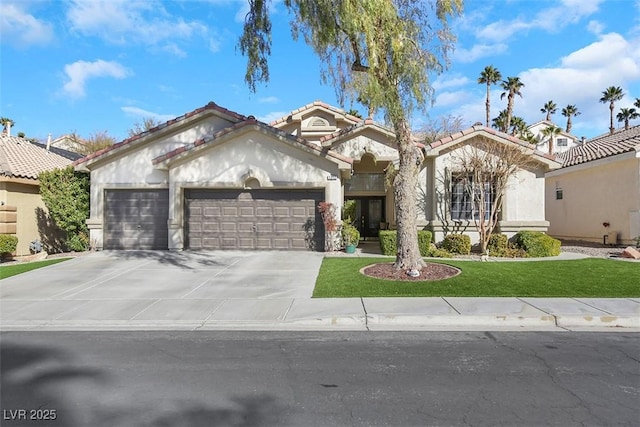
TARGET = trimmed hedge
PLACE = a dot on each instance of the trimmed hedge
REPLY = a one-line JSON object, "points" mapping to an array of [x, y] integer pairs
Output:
{"points": [[498, 245], [537, 244], [389, 238], [8, 245], [457, 244]]}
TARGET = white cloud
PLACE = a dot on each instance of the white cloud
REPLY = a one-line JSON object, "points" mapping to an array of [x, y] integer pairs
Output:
{"points": [[138, 22], [269, 100], [446, 99], [449, 81], [274, 115], [478, 51], [80, 72], [22, 29], [595, 27], [140, 113]]}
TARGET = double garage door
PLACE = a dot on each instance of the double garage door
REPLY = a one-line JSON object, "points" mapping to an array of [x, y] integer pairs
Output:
{"points": [[253, 219], [216, 219]]}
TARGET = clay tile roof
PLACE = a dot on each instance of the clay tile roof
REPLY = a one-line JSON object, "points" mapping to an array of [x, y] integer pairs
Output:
{"points": [[606, 145], [20, 158], [210, 106], [250, 121]]}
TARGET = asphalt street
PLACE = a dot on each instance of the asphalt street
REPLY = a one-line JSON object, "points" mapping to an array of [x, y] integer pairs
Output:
{"points": [[234, 378]]}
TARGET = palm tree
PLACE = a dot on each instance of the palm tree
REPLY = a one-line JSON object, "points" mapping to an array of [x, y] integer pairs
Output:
{"points": [[637, 103], [511, 88], [611, 95], [500, 121], [550, 108], [489, 76], [6, 124], [551, 131], [627, 114], [518, 126], [570, 111]]}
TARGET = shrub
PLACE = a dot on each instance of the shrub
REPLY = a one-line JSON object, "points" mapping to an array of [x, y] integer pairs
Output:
{"points": [[8, 245], [435, 252], [537, 244], [457, 244], [498, 245], [388, 242], [350, 235]]}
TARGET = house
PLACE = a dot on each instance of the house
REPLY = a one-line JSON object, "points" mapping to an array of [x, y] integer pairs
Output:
{"points": [[214, 178], [595, 196], [21, 161], [561, 143]]}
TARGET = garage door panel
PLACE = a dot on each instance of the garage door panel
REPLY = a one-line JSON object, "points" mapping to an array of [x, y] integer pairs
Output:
{"points": [[255, 219], [136, 219]]}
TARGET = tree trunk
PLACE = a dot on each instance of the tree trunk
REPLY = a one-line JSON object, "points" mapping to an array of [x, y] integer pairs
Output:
{"points": [[488, 105], [611, 128], [404, 190]]}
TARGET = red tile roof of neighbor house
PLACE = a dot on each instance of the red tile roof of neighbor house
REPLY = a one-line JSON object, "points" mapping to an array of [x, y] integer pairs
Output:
{"points": [[211, 106], [250, 121], [311, 106], [20, 158], [606, 145]]}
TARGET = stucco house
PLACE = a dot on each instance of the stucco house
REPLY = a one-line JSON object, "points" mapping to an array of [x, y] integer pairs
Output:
{"points": [[21, 161], [595, 196], [561, 143], [214, 178]]}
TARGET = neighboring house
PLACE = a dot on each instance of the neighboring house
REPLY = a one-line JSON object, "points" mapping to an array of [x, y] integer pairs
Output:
{"points": [[213, 178], [21, 162], [596, 193], [561, 143]]}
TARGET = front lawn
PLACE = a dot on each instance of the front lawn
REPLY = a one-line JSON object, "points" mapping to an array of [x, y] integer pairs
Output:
{"points": [[13, 269], [591, 277]]}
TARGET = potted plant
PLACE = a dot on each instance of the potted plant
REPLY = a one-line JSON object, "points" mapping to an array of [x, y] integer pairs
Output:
{"points": [[350, 237]]}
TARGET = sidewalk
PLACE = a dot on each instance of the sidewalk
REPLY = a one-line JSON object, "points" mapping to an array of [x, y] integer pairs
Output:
{"points": [[190, 291]]}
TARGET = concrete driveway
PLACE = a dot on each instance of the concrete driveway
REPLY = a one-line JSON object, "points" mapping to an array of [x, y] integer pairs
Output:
{"points": [[155, 288]]}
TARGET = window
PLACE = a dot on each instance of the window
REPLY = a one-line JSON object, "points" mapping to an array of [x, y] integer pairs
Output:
{"points": [[463, 205], [562, 142], [558, 193]]}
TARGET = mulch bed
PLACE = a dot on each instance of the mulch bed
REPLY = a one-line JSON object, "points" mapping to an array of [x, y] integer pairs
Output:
{"points": [[429, 272]]}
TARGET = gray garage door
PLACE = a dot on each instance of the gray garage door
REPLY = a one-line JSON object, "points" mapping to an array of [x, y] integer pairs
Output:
{"points": [[254, 219], [136, 219]]}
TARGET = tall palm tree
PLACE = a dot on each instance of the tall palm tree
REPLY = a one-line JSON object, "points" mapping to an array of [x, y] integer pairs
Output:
{"points": [[627, 114], [518, 126], [489, 76], [570, 111], [511, 88], [611, 95], [549, 108], [551, 132]]}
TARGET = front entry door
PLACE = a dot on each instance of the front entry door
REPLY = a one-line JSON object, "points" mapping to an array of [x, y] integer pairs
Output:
{"points": [[369, 215]]}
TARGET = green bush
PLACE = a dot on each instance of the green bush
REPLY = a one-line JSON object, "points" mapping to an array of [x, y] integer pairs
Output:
{"points": [[457, 244], [8, 244], [388, 242], [435, 252], [537, 244], [498, 245], [350, 235]]}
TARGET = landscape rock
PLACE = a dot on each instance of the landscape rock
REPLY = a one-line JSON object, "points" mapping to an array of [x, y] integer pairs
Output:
{"points": [[631, 252]]}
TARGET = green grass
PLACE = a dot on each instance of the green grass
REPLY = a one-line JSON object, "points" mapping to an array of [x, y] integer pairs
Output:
{"points": [[598, 278], [12, 270]]}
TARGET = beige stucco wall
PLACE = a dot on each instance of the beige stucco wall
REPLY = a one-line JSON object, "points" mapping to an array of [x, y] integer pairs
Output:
{"points": [[606, 190], [26, 197]]}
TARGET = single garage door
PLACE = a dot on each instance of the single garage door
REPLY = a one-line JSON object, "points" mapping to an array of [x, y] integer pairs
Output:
{"points": [[136, 219], [254, 219]]}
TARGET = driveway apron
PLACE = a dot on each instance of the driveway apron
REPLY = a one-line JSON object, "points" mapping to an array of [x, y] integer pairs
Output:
{"points": [[159, 288]]}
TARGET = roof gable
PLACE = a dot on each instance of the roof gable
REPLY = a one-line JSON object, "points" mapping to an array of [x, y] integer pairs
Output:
{"points": [[250, 124], [142, 138], [451, 141], [20, 158], [311, 109]]}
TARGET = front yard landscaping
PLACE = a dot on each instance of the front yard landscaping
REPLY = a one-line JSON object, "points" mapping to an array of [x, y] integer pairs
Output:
{"points": [[586, 278], [13, 269]]}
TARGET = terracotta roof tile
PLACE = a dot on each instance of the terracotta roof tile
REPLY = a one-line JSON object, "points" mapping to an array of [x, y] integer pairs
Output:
{"points": [[210, 106], [606, 145], [21, 158]]}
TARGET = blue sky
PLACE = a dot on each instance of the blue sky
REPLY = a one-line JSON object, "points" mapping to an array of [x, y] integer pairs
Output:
{"points": [[90, 66]]}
